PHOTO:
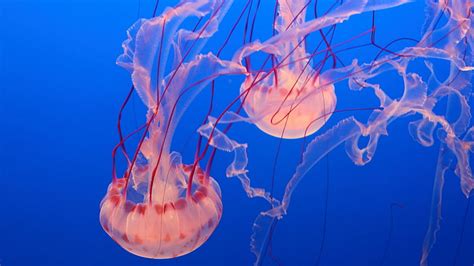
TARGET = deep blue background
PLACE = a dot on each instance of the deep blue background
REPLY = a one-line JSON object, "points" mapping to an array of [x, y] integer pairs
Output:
{"points": [[60, 92]]}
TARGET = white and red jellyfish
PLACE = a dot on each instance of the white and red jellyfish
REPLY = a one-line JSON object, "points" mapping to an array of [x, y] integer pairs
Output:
{"points": [[176, 207]]}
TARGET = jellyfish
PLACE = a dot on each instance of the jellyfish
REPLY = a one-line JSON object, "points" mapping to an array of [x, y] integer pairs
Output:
{"points": [[274, 102], [161, 207], [291, 100]]}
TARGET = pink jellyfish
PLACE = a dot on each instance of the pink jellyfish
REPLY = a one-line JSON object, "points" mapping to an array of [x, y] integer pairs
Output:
{"points": [[157, 209], [287, 101], [290, 100]]}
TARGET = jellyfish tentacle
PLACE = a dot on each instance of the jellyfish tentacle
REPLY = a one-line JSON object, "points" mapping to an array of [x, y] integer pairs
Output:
{"points": [[238, 167], [144, 40], [436, 205], [335, 16]]}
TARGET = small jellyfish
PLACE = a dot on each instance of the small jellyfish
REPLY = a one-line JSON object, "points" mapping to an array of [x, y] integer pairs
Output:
{"points": [[161, 207], [288, 101]]}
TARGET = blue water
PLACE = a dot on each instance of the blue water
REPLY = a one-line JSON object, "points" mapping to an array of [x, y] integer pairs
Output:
{"points": [[60, 93]]}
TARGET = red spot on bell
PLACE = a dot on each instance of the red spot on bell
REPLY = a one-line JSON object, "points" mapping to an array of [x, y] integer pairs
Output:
{"points": [[168, 206], [141, 208], [129, 206], [210, 224], [159, 209], [138, 240], [198, 196], [115, 199], [203, 190], [180, 204], [125, 238]]}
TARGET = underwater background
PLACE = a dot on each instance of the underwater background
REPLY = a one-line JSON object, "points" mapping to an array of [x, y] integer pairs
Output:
{"points": [[60, 94]]}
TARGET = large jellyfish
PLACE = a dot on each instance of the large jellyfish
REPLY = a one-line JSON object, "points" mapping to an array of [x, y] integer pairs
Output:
{"points": [[293, 100], [157, 209]]}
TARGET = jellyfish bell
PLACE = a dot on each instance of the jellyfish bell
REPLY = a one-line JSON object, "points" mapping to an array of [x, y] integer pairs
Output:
{"points": [[174, 223], [288, 106]]}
